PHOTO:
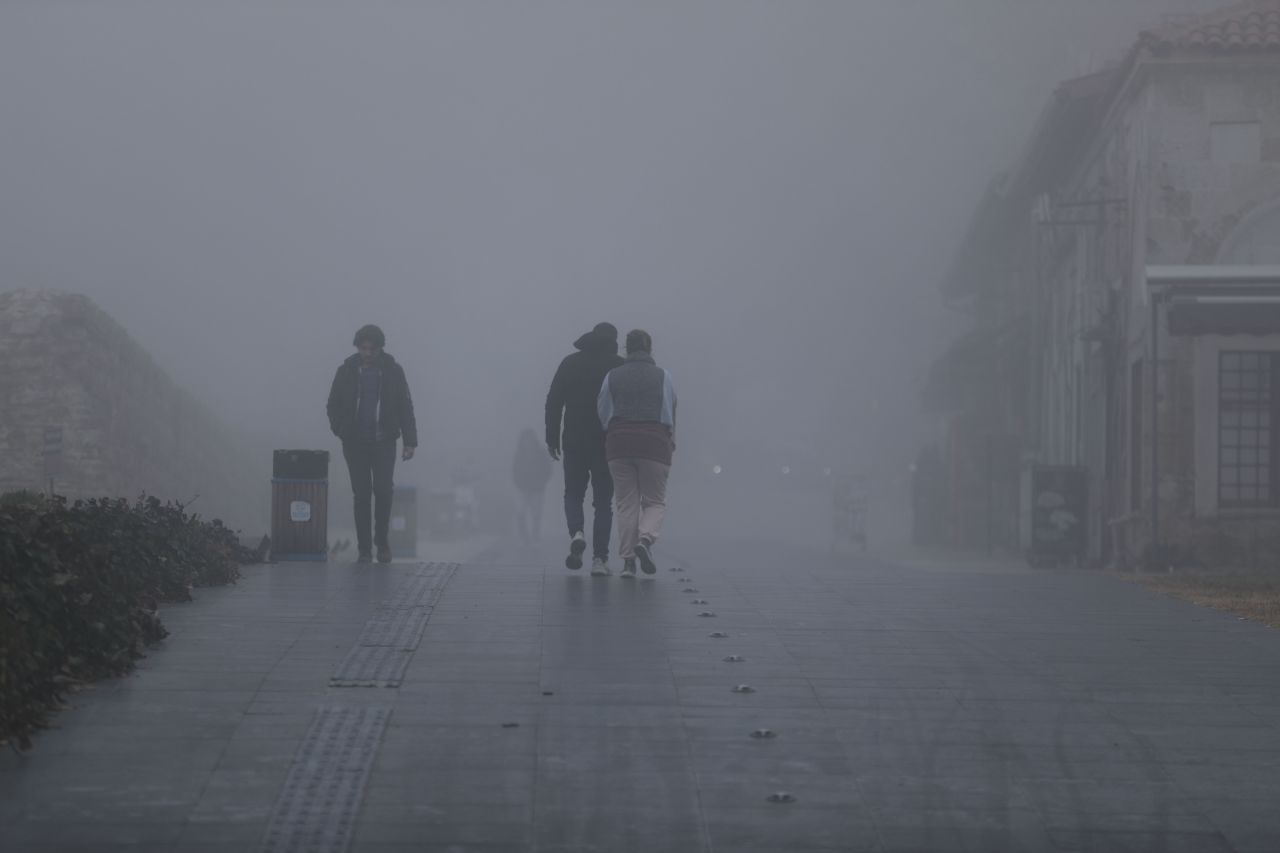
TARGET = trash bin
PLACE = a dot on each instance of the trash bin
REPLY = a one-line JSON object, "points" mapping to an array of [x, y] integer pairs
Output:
{"points": [[300, 505], [403, 535]]}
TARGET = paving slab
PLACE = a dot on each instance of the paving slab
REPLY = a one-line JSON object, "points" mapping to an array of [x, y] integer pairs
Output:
{"points": [[891, 707]]}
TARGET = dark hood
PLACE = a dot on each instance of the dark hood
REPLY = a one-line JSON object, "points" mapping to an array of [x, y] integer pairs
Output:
{"points": [[385, 358], [597, 343]]}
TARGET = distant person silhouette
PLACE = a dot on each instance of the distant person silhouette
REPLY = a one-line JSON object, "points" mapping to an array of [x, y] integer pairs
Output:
{"points": [[531, 471], [369, 408], [573, 395], [637, 406]]}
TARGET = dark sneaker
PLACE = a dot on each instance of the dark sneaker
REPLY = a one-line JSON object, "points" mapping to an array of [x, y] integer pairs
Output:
{"points": [[629, 568], [384, 555], [364, 557], [646, 558], [577, 547]]}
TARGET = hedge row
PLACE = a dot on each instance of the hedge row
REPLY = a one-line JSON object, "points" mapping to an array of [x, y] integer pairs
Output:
{"points": [[79, 588]]}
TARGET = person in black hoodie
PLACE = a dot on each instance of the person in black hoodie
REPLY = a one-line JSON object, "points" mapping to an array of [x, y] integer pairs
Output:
{"points": [[369, 408], [573, 395]]}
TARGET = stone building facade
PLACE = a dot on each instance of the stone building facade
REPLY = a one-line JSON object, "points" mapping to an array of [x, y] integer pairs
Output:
{"points": [[125, 427], [1124, 262]]}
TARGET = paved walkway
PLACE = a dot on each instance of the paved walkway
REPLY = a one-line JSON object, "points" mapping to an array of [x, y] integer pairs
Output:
{"points": [[541, 710]]}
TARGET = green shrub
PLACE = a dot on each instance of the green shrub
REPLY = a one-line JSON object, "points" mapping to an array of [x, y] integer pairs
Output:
{"points": [[79, 589], [22, 497]]}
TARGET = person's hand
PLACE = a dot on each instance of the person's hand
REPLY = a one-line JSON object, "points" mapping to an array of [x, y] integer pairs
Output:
{"points": [[408, 453], [554, 451]]}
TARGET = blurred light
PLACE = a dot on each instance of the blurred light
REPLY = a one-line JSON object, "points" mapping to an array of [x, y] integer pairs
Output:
{"points": [[786, 469], [826, 472], [716, 469]]}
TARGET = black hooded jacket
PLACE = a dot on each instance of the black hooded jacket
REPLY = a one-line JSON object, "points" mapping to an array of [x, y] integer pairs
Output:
{"points": [[395, 415], [574, 391]]}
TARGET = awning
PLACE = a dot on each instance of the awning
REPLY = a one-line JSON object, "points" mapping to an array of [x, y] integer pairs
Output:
{"points": [[1218, 300]]}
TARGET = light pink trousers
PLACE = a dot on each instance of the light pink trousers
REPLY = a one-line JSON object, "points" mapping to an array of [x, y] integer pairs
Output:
{"points": [[640, 489]]}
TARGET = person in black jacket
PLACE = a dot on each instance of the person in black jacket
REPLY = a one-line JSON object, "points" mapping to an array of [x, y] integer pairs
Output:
{"points": [[573, 394], [369, 408]]}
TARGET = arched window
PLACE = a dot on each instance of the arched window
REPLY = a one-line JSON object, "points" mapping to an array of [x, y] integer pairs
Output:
{"points": [[1256, 240]]}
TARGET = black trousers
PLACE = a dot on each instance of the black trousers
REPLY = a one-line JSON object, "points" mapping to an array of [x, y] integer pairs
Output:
{"points": [[583, 466], [371, 464]]}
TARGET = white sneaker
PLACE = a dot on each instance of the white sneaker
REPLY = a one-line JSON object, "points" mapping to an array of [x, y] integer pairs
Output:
{"points": [[646, 557], [577, 545], [629, 568], [599, 567]]}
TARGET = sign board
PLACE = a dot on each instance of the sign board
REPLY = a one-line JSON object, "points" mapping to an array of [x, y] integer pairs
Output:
{"points": [[1059, 511], [300, 511]]}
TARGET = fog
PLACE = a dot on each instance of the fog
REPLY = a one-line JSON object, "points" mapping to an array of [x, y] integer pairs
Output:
{"points": [[773, 190]]}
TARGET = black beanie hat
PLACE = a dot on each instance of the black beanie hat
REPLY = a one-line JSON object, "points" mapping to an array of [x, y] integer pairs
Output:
{"points": [[372, 334], [606, 330]]}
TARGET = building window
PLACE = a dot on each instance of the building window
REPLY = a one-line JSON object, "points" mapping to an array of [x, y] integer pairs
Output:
{"points": [[1247, 416]]}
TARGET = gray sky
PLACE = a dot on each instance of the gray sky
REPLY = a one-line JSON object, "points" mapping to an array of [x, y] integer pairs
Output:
{"points": [[771, 188]]}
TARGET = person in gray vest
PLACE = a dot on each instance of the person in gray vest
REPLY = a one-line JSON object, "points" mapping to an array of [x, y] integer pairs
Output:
{"points": [[637, 407], [369, 408]]}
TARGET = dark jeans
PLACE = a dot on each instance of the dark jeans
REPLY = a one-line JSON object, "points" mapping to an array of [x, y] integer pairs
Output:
{"points": [[583, 466], [371, 464]]}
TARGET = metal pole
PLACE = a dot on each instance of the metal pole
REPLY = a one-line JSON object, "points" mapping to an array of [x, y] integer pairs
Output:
{"points": [[1155, 426]]}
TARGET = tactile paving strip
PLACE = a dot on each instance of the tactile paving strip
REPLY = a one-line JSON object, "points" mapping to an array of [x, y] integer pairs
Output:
{"points": [[372, 666], [316, 810], [401, 629], [381, 656], [423, 587]]}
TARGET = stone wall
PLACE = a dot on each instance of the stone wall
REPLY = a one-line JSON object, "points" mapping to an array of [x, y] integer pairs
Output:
{"points": [[1198, 201], [1180, 196], [127, 428]]}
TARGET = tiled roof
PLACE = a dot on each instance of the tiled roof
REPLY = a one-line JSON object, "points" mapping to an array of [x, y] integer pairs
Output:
{"points": [[1252, 25]]}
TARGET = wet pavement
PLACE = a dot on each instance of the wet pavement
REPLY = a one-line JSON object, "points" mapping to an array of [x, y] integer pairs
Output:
{"points": [[881, 707]]}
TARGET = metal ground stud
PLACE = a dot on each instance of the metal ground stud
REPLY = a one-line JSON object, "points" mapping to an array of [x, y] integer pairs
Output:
{"points": [[764, 734], [699, 601], [781, 797], [707, 613], [734, 659], [719, 635], [743, 688], [688, 589]]}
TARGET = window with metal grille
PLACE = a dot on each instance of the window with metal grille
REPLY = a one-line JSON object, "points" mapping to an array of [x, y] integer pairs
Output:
{"points": [[1247, 417]]}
